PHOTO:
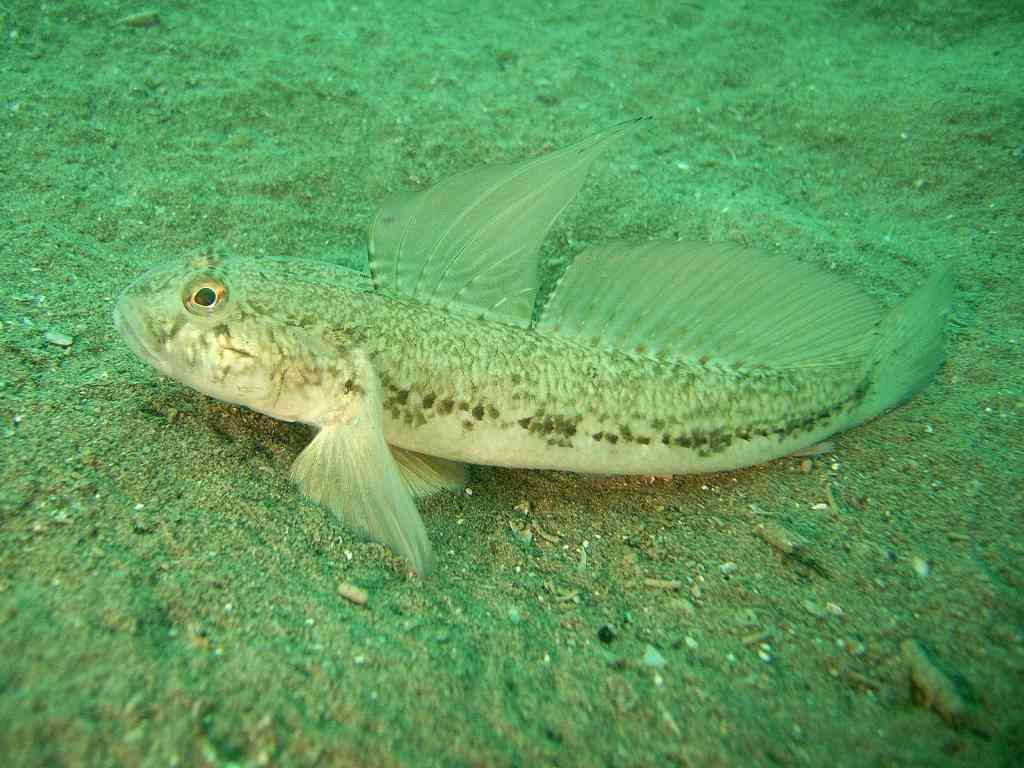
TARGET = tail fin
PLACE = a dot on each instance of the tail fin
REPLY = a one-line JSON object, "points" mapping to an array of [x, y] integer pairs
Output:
{"points": [[910, 346]]}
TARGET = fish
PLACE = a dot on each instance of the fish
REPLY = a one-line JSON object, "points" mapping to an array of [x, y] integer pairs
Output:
{"points": [[657, 358]]}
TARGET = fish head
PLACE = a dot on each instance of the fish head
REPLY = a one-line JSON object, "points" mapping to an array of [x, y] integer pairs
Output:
{"points": [[239, 330]]}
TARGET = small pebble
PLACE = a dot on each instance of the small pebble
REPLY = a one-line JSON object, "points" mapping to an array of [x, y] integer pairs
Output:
{"points": [[920, 566], [778, 538], [727, 568], [140, 19], [854, 647], [58, 339], [755, 638], [652, 658], [352, 593], [814, 609]]}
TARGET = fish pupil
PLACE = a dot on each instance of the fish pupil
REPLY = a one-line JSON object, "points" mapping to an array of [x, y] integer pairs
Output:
{"points": [[205, 297]]}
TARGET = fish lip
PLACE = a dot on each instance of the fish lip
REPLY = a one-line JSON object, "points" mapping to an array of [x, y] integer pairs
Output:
{"points": [[134, 341]]}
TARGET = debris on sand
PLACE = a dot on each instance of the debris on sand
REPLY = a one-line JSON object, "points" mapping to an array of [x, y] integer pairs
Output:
{"points": [[930, 686], [352, 593]]}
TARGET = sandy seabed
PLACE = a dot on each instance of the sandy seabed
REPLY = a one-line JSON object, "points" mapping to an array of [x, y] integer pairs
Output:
{"points": [[167, 598]]}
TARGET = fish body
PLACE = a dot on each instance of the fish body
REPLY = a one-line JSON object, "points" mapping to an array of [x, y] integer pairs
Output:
{"points": [[653, 358], [482, 392]]}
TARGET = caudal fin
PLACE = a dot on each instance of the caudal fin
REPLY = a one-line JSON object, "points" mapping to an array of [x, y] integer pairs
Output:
{"points": [[910, 345]]}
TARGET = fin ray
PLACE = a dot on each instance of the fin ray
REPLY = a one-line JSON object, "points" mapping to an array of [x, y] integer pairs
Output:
{"points": [[473, 240], [722, 302], [910, 345], [426, 475], [349, 468]]}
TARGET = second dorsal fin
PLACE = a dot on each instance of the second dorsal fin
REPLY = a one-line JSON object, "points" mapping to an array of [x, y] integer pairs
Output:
{"points": [[710, 302]]}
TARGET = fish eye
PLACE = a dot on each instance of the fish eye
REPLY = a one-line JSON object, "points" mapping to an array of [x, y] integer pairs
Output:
{"points": [[204, 296]]}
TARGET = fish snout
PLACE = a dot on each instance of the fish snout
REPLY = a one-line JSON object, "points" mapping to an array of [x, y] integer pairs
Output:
{"points": [[130, 323]]}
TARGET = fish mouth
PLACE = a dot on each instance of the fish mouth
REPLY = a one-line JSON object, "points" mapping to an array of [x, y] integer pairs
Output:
{"points": [[133, 339]]}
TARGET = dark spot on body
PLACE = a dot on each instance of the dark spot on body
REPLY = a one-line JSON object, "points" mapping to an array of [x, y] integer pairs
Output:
{"points": [[402, 396], [720, 440], [558, 425], [446, 406], [176, 326], [428, 400], [478, 411]]}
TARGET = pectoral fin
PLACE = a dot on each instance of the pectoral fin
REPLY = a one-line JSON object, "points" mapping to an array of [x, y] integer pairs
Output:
{"points": [[349, 468]]}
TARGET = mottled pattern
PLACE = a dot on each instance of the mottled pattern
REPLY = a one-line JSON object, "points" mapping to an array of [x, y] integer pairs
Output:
{"points": [[283, 339], [564, 395]]}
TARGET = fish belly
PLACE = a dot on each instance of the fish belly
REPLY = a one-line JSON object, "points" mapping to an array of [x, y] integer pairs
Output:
{"points": [[510, 445]]}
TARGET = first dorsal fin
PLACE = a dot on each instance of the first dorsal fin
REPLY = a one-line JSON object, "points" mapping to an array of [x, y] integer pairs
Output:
{"points": [[472, 240], [710, 302]]}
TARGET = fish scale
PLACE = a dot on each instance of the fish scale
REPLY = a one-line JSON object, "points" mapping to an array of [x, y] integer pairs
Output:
{"points": [[560, 405]]}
